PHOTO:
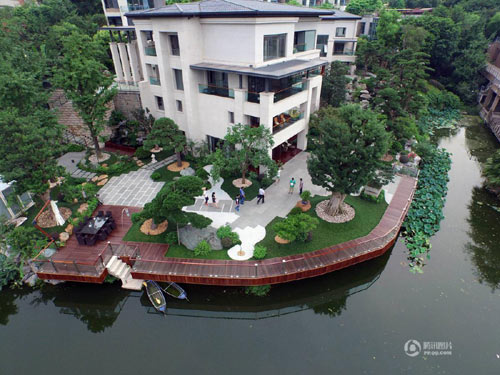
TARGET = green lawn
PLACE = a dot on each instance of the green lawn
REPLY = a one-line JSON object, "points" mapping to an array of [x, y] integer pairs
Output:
{"points": [[174, 251], [165, 174], [368, 215], [250, 192]]}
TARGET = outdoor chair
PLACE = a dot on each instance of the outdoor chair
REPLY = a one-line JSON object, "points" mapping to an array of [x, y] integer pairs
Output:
{"points": [[112, 224], [81, 239], [100, 214], [102, 235]]}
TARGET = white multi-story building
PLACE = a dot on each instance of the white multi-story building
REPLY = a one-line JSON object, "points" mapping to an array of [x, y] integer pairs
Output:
{"points": [[210, 64]]}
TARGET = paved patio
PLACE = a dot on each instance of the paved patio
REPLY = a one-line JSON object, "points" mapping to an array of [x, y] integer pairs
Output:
{"points": [[70, 162]]}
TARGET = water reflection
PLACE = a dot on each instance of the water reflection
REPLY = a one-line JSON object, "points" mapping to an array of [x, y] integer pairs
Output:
{"points": [[484, 228], [481, 143]]}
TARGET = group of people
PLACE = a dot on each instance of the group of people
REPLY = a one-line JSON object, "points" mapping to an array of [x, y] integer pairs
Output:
{"points": [[240, 198]]}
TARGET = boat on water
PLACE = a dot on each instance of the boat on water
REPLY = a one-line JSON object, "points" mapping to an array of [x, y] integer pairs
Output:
{"points": [[155, 295], [174, 290]]}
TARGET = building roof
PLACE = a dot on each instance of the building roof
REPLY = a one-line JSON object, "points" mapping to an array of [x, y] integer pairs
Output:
{"points": [[229, 8], [339, 15], [273, 71]]}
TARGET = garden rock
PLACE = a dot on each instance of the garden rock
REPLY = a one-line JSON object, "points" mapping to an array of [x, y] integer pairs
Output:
{"points": [[31, 279], [188, 172], [190, 237], [365, 96]]}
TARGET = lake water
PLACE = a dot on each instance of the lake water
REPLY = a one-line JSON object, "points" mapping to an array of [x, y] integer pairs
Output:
{"points": [[355, 321]]}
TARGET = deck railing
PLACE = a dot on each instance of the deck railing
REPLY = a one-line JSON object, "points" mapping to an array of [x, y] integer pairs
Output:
{"points": [[150, 51], [289, 91], [216, 90]]}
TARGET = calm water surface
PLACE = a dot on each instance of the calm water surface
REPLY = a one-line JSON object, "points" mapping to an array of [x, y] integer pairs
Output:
{"points": [[349, 322]]}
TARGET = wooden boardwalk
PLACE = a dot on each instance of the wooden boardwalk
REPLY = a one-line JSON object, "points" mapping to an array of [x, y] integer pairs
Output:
{"points": [[75, 262], [284, 269]]}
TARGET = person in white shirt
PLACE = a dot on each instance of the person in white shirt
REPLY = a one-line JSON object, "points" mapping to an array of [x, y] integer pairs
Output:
{"points": [[260, 196]]}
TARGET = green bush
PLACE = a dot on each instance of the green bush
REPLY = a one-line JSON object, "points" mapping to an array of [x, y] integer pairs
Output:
{"points": [[136, 217], [9, 271], [258, 290], [156, 176], [171, 238], [73, 147], [202, 249], [202, 173], [226, 242], [306, 195], [259, 252], [224, 231], [371, 198], [295, 211], [142, 153], [296, 227], [424, 149]]}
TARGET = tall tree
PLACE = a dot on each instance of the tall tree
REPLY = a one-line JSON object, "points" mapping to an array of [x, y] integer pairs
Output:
{"points": [[85, 80], [244, 147], [334, 85], [362, 7], [346, 155], [166, 133]]}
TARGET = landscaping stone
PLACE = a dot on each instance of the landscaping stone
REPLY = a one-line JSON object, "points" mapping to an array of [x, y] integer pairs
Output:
{"points": [[95, 179], [83, 207], [344, 217], [191, 237], [187, 172], [64, 236], [69, 229], [102, 177], [31, 279], [365, 96], [303, 207], [102, 182], [364, 92]]}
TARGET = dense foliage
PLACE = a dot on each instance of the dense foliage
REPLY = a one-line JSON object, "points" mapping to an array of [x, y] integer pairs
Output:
{"points": [[333, 89], [166, 133], [425, 213], [202, 249], [492, 169], [362, 7], [296, 227]]}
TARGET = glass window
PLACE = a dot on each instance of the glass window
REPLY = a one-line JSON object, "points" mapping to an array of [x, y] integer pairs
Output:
{"points": [[179, 84], [179, 105], [159, 103], [12, 200], [322, 44], [231, 117], [174, 45], [304, 41], [340, 31], [274, 46], [3, 210], [25, 199]]}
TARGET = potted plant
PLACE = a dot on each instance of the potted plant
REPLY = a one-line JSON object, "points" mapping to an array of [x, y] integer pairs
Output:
{"points": [[294, 114], [306, 194]]}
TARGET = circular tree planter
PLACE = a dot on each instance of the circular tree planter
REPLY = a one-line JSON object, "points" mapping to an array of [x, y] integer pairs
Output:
{"points": [[104, 156], [175, 168], [280, 240], [240, 184], [347, 214], [160, 228], [304, 207]]}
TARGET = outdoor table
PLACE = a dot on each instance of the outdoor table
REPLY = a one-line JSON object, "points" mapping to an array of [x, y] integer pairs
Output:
{"points": [[94, 225]]}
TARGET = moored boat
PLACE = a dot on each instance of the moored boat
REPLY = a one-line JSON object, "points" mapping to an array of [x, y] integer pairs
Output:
{"points": [[155, 295], [174, 290]]}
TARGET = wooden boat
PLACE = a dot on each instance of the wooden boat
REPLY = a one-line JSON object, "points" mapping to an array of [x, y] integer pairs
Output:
{"points": [[174, 290], [156, 295]]}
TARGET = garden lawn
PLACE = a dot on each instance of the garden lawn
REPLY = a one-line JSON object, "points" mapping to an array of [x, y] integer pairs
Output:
{"points": [[174, 251], [164, 175], [250, 192], [368, 215]]}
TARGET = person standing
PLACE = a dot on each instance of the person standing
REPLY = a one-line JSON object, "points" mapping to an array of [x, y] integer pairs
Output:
{"points": [[242, 195], [278, 176], [205, 195], [237, 201], [261, 195], [301, 186], [292, 186], [214, 200]]}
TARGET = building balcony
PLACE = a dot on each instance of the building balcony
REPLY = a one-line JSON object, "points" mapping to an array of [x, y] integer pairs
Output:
{"points": [[346, 52], [289, 91], [150, 51], [284, 120], [154, 81], [216, 90]]}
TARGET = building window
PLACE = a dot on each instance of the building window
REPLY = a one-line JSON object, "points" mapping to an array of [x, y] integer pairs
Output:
{"points": [[303, 41], [338, 48], [340, 32], [159, 103], [274, 46], [322, 44], [178, 79], [115, 21], [111, 4], [231, 117], [361, 28], [174, 45], [179, 105]]}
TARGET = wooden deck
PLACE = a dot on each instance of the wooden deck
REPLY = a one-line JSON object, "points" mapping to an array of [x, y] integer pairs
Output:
{"points": [[285, 269], [75, 262]]}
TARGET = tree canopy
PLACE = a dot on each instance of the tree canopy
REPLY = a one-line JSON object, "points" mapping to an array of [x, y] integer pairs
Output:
{"points": [[166, 133], [334, 85], [346, 153], [362, 7]]}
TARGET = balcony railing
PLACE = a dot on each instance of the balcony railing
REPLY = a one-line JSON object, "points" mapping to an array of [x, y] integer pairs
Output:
{"points": [[300, 48], [216, 90], [346, 52], [284, 120], [154, 81], [289, 91], [253, 97], [150, 51]]}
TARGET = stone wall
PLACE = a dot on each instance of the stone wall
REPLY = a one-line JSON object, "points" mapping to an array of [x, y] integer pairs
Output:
{"points": [[127, 101]]}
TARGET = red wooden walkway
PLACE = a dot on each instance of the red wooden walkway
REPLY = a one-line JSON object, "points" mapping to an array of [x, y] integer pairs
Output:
{"points": [[295, 267]]}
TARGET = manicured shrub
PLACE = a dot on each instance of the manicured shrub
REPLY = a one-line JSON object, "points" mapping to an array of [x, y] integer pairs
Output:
{"points": [[371, 198], [73, 147], [156, 176], [224, 231], [259, 252], [203, 248], [258, 290], [202, 173], [142, 153], [296, 227], [227, 242], [295, 211], [306, 194], [171, 238]]}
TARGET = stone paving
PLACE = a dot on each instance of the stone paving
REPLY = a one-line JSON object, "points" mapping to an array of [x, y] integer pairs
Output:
{"points": [[70, 162]]}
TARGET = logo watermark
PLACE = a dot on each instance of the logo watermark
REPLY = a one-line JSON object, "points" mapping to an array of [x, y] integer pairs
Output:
{"points": [[413, 348]]}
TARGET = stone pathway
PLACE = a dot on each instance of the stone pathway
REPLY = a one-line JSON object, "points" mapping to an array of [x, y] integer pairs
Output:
{"points": [[70, 162]]}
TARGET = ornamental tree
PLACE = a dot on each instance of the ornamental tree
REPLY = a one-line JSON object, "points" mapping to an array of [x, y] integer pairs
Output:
{"points": [[169, 202], [244, 147], [346, 153], [85, 79], [296, 227], [166, 133]]}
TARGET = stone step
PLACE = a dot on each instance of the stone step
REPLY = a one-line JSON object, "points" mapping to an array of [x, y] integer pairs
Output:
{"points": [[132, 284]]}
